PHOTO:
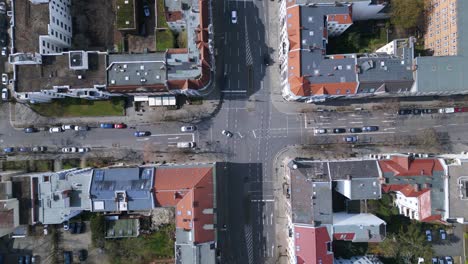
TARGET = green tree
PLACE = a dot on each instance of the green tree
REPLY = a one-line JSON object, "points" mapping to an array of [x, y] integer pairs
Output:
{"points": [[97, 225], [182, 39], [407, 13], [406, 246]]}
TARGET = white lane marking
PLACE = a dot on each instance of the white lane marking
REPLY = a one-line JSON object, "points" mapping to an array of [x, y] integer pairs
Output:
{"points": [[237, 35], [234, 91], [174, 138], [389, 128], [263, 200], [271, 219], [142, 139], [255, 136], [438, 126], [164, 135], [360, 122], [452, 124], [172, 142], [342, 119], [261, 85], [388, 121], [238, 67]]}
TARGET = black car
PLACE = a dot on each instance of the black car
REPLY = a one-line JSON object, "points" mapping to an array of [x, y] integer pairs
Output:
{"points": [[428, 111], [339, 130], [416, 111], [30, 130], [82, 255], [73, 228], [355, 130], [266, 60], [67, 257], [79, 227], [404, 111]]}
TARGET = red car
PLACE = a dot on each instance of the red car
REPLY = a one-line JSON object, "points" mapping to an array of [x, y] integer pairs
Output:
{"points": [[120, 125]]}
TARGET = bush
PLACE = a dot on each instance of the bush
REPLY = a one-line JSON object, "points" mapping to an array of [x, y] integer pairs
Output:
{"points": [[98, 231]]}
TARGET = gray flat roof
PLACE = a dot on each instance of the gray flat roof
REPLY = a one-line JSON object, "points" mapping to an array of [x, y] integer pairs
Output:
{"points": [[136, 69], [354, 168], [136, 182], [441, 74], [457, 190], [462, 27], [365, 227], [55, 71]]}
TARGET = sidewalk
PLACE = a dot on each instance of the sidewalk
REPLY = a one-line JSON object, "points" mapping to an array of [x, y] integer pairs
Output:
{"points": [[22, 116]]}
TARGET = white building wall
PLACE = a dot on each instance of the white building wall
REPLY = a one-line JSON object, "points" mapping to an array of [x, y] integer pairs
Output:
{"points": [[364, 10], [389, 48], [407, 206], [336, 29], [59, 28]]}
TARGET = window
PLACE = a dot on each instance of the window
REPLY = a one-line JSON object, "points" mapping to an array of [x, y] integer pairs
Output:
{"points": [[45, 178]]}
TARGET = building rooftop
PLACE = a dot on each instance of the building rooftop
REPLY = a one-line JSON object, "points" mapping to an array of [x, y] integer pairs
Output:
{"points": [[458, 191], [62, 195], [405, 165], [363, 227], [136, 72], [122, 189], [183, 187], [312, 245], [31, 21], [55, 71]]}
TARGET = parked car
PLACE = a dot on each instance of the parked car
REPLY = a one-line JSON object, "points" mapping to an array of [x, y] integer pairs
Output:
{"points": [[120, 126], [4, 51], [72, 227], [106, 125], [350, 139], [67, 257], [370, 128], [428, 111], [188, 128], [404, 111], [82, 254], [416, 111], [339, 130], [8, 150], [355, 130], [55, 130], [21, 260], [186, 144], [320, 131], [448, 260], [3, 8], [266, 60], [68, 127], [69, 150], [428, 235], [81, 128], [24, 149], [30, 130], [448, 110], [4, 78], [66, 226], [39, 149], [146, 10], [142, 133], [83, 149], [443, 234], [226, 133], [5, 94], [435, 261], [79, 227], [27, 259]]}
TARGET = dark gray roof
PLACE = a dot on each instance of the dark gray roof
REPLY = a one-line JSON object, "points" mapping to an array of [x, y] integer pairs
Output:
{"points": [[353, 168], [462, 27], [136, 69], [136, 182], [384, 69]]}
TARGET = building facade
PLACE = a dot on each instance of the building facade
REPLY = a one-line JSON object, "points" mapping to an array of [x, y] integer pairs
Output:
{"points": [[441, 35]]}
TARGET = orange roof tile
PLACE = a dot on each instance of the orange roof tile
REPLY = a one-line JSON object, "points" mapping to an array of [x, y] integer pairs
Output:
{"points": [[340, 18], [406, 166], [191, 191], [293, 26], [172, 16], [406, 189], [299, 85]]}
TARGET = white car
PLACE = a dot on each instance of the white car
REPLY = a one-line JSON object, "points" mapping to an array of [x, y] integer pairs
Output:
{"points": [[69, 150], [82, 150], [5, 94], [234, 17], [428, 235], [55, 130], [448, 260], [68, 127], [188, 128], [226, 133], [4, 51], [3, 8], [4, 79], [320, 131]]}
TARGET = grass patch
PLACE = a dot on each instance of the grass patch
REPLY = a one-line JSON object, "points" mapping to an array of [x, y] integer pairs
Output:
{"points": [[43, 165], [70, 163], [161, 17], [164, 39], [195, 100], [15, 165], [144, 248], [125, 12], [29, 165], [74, 107]]}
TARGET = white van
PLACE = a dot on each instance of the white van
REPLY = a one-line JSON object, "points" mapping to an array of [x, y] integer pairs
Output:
{"points": [[234, 17], [186, 144]]}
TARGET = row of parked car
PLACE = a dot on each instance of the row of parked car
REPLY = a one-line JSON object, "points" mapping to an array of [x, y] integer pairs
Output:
{"points": [[446, 110], [442, 260], [351, 130], [24, 149]]}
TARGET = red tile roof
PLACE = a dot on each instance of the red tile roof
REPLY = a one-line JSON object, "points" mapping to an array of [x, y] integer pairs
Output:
{"points": [[190, 191], [177, 51], [311, 245], [344, 236], [340, 18], [173, 16], [407, 166], [406, 189]]}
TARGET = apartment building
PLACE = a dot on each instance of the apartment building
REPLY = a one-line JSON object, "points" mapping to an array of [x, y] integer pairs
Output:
{"points": [[441, 35]]}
